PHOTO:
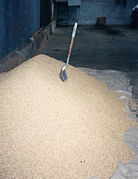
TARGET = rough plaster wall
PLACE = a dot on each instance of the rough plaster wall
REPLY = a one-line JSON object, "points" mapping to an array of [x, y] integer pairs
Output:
{"points": [[74, 2], [88, 11]]}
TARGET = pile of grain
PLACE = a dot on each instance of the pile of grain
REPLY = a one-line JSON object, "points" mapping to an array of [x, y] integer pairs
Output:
{"points": [[50, 129]]}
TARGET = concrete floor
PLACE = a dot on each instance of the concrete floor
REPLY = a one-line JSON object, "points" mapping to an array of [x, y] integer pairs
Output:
{"points": [[97, 47], [102, 48]]}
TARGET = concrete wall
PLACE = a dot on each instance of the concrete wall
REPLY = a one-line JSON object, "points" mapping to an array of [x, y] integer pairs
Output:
{"points": [[31, 48], [19, 19], [115, 12]]}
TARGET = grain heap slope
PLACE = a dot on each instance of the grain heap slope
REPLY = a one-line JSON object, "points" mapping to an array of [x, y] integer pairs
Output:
{"points": [[50, 129]]}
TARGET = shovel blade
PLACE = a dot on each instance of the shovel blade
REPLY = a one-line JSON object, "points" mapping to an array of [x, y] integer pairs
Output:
{"points": [[63, 75]]}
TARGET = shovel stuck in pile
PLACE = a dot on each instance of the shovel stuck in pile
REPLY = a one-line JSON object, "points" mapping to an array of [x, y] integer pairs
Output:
{"points": [[63, 74]]}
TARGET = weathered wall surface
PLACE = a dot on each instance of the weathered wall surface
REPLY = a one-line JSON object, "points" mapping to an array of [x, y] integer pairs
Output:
{"points": [[114, 10], [29, 49], [19, 19]]}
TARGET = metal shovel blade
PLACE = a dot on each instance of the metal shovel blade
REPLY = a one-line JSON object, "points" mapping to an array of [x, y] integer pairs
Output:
{"points": [[63, 75]]}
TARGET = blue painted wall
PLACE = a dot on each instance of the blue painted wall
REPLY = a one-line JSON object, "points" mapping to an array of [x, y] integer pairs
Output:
{"points": [[115, 12], [19, 19]]}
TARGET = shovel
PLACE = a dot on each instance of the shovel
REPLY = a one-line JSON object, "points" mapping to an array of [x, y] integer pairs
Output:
{"points": [[63, 74]]}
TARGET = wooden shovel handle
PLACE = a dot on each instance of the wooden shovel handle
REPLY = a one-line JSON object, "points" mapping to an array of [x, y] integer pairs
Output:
{"points": [[70, 48], [72, 39]]}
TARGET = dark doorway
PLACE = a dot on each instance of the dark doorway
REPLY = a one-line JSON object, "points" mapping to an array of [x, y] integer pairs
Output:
{"points": [[45, 12]]}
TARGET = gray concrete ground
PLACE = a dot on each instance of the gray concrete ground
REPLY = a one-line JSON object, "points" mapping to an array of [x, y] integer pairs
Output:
{"points": [[114, 47], [100, 48]]}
